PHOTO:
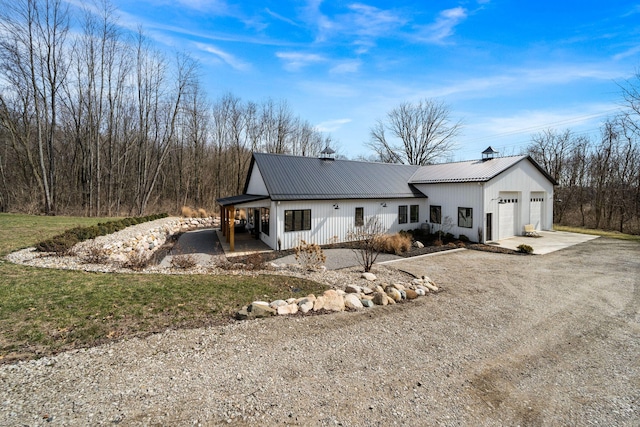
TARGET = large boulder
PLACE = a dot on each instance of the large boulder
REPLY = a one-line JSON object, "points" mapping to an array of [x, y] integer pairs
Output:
{"points": [[380, 298], [352, 301], [333, 301], [258, 310]]}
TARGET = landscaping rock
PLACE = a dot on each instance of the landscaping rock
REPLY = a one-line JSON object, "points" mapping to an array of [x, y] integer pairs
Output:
{"points": [[333, 301], [277, 303], [352, 301], [431, 286], [305, 305], [411, 294], [421, 292], [390, 300], [380, 298], [369, 276], [242, 314], [366, 290], [318, 304], [394, 293], [353, 289], [260, 310], [367, 303], [283, 310], [418, 244]]}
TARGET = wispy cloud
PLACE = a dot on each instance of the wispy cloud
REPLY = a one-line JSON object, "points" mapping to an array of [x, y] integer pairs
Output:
{"points": [[444, 25], [520, 79], [332, 125], [281, 18], [360, 23], [346, 67], [511, 133], [627, 53], [223, 56], [295, 61]]}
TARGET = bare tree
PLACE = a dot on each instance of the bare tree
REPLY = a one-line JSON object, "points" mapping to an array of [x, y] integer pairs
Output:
{"points": [[33, 62], [367, 241], [415, 134]]}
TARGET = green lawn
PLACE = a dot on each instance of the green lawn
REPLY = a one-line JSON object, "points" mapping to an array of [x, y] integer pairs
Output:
{"points": [[44, 311]]}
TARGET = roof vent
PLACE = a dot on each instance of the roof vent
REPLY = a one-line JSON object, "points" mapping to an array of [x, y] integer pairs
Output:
{"points": [[489, 154], [327, 154]]}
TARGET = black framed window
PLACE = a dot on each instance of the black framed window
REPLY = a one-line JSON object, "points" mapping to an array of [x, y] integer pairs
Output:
{"points": [[297, 220], [264, 220], [414, 213], [465, 217], [402, 214], [359, 217], [435, 214]]}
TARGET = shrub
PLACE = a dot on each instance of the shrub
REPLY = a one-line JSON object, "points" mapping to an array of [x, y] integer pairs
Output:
{"points": [[395, 243], [186, 211], [310, 255], [96, 254], [525, 249], [202, 213], [184, 261], [136, 260], [62, 243], [254, 261], [448, 237], [463, 238]]}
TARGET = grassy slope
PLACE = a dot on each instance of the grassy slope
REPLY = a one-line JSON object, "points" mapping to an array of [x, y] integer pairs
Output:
{"points": [[603, 233], [43, 311]]}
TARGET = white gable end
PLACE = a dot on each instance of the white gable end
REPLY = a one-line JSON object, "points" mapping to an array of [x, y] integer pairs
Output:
{"points": [[256, 183]]}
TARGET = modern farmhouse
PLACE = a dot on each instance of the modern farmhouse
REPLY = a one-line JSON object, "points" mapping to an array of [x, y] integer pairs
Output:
{"points": [[291, 198]]}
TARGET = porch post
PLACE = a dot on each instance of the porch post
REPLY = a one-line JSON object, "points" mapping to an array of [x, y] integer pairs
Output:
{"points": [[232, 227], [223, 220]]}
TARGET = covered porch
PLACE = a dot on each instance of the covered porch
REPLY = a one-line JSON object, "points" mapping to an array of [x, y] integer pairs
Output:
{"points": [[238, 219]]}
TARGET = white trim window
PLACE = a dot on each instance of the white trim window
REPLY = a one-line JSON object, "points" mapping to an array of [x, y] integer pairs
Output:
{"points": [[465, 217]]}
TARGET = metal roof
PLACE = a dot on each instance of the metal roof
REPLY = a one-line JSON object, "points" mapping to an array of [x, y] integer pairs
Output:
{"points": [[308, 178], [470, 171], [242, 198]]}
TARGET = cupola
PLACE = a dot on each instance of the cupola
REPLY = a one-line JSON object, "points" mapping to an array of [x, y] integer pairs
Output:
{"points": [[489, 154]]}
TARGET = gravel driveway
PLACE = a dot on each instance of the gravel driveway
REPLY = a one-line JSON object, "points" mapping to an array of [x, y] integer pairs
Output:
{"points": [[510, 340]]}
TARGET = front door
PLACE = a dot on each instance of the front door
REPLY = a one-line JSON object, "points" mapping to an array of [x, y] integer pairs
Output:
{"points": [[488, 228]]}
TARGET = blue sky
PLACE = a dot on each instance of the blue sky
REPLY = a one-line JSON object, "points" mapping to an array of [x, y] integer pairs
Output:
{"points": [[507, 68]]}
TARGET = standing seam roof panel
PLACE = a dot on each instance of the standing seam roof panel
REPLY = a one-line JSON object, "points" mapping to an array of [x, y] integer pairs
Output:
{"points": [[293, 177]]}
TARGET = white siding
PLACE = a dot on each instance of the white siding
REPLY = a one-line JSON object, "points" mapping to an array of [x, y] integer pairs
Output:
{"points": [[330, 225], [256, 183], [450, 197], [524, 179]]}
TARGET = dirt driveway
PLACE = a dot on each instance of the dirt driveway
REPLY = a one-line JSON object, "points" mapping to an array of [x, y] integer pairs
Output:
{"points": [[510, 340]]}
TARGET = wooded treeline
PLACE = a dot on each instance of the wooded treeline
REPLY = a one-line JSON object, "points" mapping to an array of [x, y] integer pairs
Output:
{"points": [[95, 121], [598, 179]]}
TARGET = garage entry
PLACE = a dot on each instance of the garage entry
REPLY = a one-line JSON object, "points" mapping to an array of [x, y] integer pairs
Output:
{"points": [[536, 206], [508, 215]]}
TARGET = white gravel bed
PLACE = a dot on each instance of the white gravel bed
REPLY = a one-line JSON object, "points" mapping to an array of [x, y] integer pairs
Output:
{"points": [[545, 340]]}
